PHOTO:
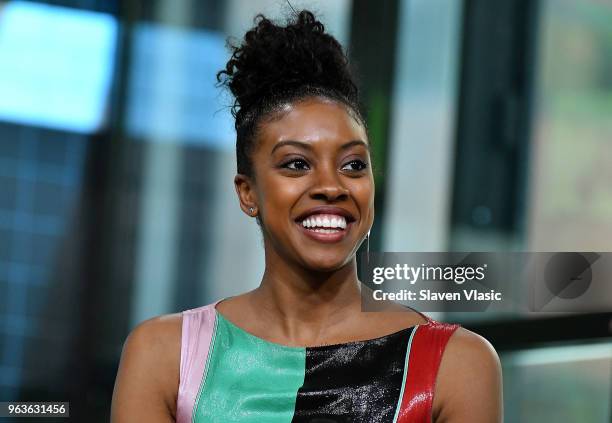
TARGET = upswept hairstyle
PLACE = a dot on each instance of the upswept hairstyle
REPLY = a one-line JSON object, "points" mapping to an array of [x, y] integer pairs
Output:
{"points": [[276, 65]]}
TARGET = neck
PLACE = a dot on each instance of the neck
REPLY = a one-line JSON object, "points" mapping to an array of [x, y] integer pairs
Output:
{"points": [[304, 304]]}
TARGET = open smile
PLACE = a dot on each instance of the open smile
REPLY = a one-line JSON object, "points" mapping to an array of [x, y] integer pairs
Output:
{"points": [[326, 224], [326, 234]]}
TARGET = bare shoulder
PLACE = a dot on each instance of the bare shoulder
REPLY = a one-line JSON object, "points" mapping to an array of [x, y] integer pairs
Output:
{"points": [[160, 332], [147, 381], [469, 360]]}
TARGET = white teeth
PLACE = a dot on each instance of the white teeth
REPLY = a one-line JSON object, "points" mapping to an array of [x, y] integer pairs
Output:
{"points": [[332, 222]]}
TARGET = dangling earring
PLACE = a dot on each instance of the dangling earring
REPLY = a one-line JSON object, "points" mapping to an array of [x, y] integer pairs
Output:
{"points": [[368, 247]]}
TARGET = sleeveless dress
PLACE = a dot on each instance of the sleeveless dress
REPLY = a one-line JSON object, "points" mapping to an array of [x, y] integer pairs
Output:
{"points": [[229, 375]]}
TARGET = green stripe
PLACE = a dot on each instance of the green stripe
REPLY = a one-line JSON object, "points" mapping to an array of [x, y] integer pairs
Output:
{"points": [[248, 379], [406, 360]]}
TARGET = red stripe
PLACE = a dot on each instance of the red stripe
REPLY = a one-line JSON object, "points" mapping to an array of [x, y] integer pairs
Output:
{"points": [[425, 355]]}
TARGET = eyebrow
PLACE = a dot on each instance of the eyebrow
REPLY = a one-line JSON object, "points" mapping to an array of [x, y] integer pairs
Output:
{"points": [[308, 146]]}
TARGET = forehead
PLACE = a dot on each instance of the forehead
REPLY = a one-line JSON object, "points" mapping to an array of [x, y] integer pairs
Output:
{"points": [[312, 120]]}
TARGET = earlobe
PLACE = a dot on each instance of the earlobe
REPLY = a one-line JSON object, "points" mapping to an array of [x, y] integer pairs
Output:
{"points": [[246, 194]]}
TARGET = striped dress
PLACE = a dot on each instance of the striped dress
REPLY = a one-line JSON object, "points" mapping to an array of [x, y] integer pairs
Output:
{"points": [[229, 375]]}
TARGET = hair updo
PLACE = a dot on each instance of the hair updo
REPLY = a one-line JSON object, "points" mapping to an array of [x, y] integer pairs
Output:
{"points": [[276, 65]]}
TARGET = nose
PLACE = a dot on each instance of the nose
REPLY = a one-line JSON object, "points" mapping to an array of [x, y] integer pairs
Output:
{"points": [[328, 186]]}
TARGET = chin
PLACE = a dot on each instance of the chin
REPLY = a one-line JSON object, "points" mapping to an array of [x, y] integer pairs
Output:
{"points": [[327, 263]]}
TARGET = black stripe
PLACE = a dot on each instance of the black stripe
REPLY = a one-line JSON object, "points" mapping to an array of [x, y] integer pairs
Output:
{"points": [[358, 382]]}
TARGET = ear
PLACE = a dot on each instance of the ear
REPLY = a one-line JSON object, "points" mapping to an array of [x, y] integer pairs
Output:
{"points": [[245, 188]]}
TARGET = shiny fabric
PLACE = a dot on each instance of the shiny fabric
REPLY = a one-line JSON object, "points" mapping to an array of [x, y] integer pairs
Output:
{"points": [[425, 357], [246, 379], [197, 333], [356, 382]]}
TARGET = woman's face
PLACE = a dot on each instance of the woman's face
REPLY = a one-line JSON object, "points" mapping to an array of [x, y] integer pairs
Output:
{"points": [[313, 188]]}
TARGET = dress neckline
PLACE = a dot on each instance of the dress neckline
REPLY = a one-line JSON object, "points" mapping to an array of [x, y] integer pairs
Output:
{"points": [[248, 334]]}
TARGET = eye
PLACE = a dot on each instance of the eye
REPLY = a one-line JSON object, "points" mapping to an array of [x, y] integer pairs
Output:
{"points": [[355, 166], [296, 164]]}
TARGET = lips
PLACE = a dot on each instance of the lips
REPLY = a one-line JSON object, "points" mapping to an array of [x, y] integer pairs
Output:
{"points": [[326, 224]]}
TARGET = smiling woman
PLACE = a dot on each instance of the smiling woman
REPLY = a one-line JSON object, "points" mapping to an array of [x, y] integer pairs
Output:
{"points": [[298, 348], [312, 170]]}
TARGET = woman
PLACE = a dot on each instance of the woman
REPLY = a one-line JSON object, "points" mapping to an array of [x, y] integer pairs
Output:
{"points": [[298, 348]]}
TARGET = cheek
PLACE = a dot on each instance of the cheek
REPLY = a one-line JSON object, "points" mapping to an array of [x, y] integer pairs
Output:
{"points": [[280, 193], [363, 192]]}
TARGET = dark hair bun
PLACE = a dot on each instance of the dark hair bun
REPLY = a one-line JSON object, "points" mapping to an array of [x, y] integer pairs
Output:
{"points": [[276, 65], [276, 60]]}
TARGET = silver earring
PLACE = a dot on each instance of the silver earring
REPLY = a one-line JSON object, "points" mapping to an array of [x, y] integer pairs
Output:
{"points": [[251, 210], [368, 247]]}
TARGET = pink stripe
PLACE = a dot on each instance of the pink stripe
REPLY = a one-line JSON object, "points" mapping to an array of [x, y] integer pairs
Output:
{"points": [[197, 332]]}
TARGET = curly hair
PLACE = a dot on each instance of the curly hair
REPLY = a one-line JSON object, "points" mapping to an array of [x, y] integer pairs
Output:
{"points": [[276, 65]]}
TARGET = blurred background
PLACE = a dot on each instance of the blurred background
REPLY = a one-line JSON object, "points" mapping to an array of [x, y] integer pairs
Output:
{"points": [[491, 121]]}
